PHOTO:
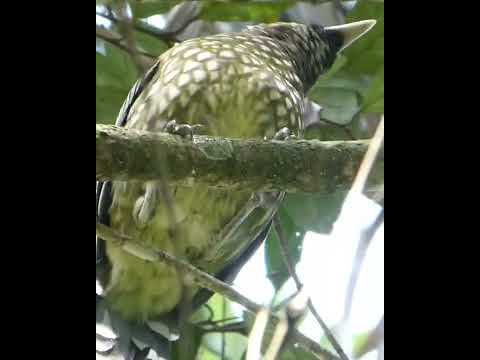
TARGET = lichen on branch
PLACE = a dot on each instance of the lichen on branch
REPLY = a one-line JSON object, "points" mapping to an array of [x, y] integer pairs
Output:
{"points": [[309, 166]]}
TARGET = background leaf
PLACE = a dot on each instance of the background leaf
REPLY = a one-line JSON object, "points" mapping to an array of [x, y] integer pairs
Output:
{"points": [[146, 8], [150, 44], [235, 344], [252, 11], [115, 75], [276, 269], [359, 72], [313, 212]]}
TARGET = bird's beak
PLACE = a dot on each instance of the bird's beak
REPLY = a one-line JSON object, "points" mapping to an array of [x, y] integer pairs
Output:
{"points": [[352, 31]]}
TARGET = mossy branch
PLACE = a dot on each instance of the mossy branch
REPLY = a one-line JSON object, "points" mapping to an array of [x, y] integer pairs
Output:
{"points": [[256, 165]]}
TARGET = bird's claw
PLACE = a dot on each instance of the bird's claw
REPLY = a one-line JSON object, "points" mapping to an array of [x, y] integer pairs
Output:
{"points": [[145, 206], [184, 130], [284, 134]]}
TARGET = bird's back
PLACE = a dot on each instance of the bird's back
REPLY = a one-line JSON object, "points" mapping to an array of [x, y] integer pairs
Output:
{"points": [[236, 85]]}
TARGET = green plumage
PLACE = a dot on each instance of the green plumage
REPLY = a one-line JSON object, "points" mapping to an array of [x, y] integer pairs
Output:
{"points": [[243, 85]]}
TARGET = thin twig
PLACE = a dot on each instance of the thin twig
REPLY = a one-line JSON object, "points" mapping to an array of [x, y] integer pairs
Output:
{"points": [[116, 40], [277, 341], [216, 322], [369, 159], [211, 315], [366, 236], [204, 280], [363, 245], [224, 310], [284, 250], [254, 347], [358, 186], [126, 28], [238, 327], [141, 26], [327, 331]]}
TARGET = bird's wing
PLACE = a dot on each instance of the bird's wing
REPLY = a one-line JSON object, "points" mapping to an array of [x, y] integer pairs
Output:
{"points": [[123, 346], [103, 193], [230, 272], [103, 203]]}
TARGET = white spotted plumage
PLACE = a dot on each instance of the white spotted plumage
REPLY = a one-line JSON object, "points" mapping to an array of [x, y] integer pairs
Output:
{"points": [[237, 85]]}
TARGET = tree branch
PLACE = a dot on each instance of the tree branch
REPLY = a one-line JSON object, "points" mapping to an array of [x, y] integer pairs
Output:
{"points": [[126, 29], [117, 40], [365, 239], [144, 27], [255, 165]]}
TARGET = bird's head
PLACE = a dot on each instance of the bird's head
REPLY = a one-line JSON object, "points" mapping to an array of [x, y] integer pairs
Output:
{"points": [[313, 47]]}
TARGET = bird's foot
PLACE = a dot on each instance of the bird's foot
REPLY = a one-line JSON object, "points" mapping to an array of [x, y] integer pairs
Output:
{"points": [[284, 134], [144, 209], [184, 130]]}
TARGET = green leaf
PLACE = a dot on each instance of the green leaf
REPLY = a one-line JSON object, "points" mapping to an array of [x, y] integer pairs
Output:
{"points": [[235, 344], [294, 353], [115, 68], [275, 262], [360, 340], [204, 353], [216, 304], [339, 93], [313, 212], [150, 44], [366, 55], [146, 8], [355, 83], [253, 11], [339, 104], [115, 75], [374, 98], [109, 99]]}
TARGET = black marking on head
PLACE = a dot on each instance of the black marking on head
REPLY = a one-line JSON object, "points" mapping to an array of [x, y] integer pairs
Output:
{"points": [[335, 39], [303, 44]]}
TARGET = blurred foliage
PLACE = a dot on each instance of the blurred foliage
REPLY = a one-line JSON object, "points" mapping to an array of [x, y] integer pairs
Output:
{"points": [[254, 11], [116, 74], [355, 84], [352, 91], [150, 44], [295, 353], [234, 343], [146, 8], [276, 268]]}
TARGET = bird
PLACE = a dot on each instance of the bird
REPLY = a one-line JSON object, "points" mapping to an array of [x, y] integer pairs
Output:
{"points": [[247, 84]]}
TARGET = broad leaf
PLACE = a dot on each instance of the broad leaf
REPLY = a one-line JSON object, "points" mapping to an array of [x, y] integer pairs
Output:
{"points": [[276, 268], [252, 11], [115, 75]]}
